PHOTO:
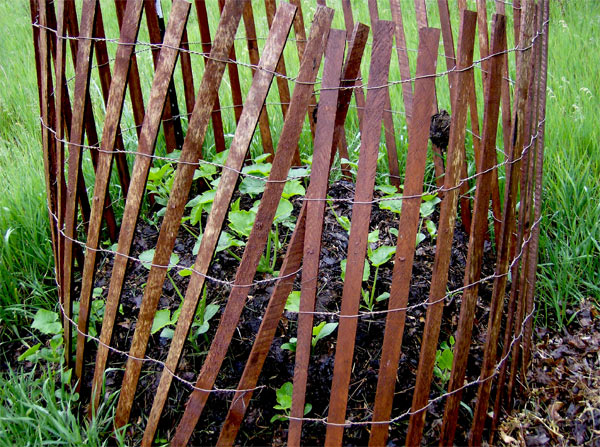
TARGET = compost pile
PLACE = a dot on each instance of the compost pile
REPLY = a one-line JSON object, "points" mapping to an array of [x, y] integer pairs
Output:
{"points": [[279, 366]]}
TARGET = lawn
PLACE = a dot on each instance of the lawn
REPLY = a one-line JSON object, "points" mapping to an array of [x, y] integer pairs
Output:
{"points": [[569, 257]]}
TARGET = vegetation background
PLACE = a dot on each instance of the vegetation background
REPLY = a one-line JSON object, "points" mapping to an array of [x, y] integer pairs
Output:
{"points": [[36, 406]]}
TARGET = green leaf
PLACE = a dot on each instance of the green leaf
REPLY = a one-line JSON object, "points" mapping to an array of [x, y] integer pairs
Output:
{"points": [[446, 358], [185, 272], [262, 158], [427, 208], [394, 206], [284, 210], [322, 330], [241, 221], [161, 319], [97, 292], [284, 395], [387, 189], [299, 172], [420, 238], [383, 296], [382, 255], [226, 241], [373, 236], [205, 171], [221, 157], [431, 229], [31, 351], [343, 221], [158, 173], [210, 311], [46, 322], [393, 231], [307, 408], [260, 169], [203, 328], [293, 188], [293, 302], [167, 333], [252, 186], [278, 417], [289, 346]]}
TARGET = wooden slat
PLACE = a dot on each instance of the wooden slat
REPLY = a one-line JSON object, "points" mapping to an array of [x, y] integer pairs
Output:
{"points": [[282, 83], [141, 167], [48, 111], [361, 213], [187, 74], [531, 274], [334, 56], [300, 33], [60, 62], [171, 122], [508, 218], [407, 93], [212, 230], [135, 87], [465, 205], [445, 231], [217, 119], [478, 233], [103, 62], [114, 110], [190, 154], [408, 226], [234, 79], [263, 121], [264, 218], [82, 77]]}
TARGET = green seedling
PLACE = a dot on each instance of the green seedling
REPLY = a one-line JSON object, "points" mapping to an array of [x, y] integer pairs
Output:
{"points": [[443, 361], [378, 257], [284, 402], [292, 303], [48, 323], [319, 332]]}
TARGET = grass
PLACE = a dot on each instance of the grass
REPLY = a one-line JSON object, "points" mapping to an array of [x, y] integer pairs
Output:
{"points": [[570, 234]]}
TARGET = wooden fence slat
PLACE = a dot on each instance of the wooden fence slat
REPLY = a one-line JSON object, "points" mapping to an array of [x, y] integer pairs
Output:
{"points": [[263, 120], [361, 212], [134, 83], [171, 121], [334, 57], [445, 230], [234, 79], [407, 93], [465, 204], [408, 225], [60, 62], [212, 230], [190, 154], [103, 62], [478, 232], [531, 274], [508, 217], [217, 119], [114, 109], [288, 141], [82, 77], [141, 167], [359, 94], [300, 33], [48, 111], [282, 83]]}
